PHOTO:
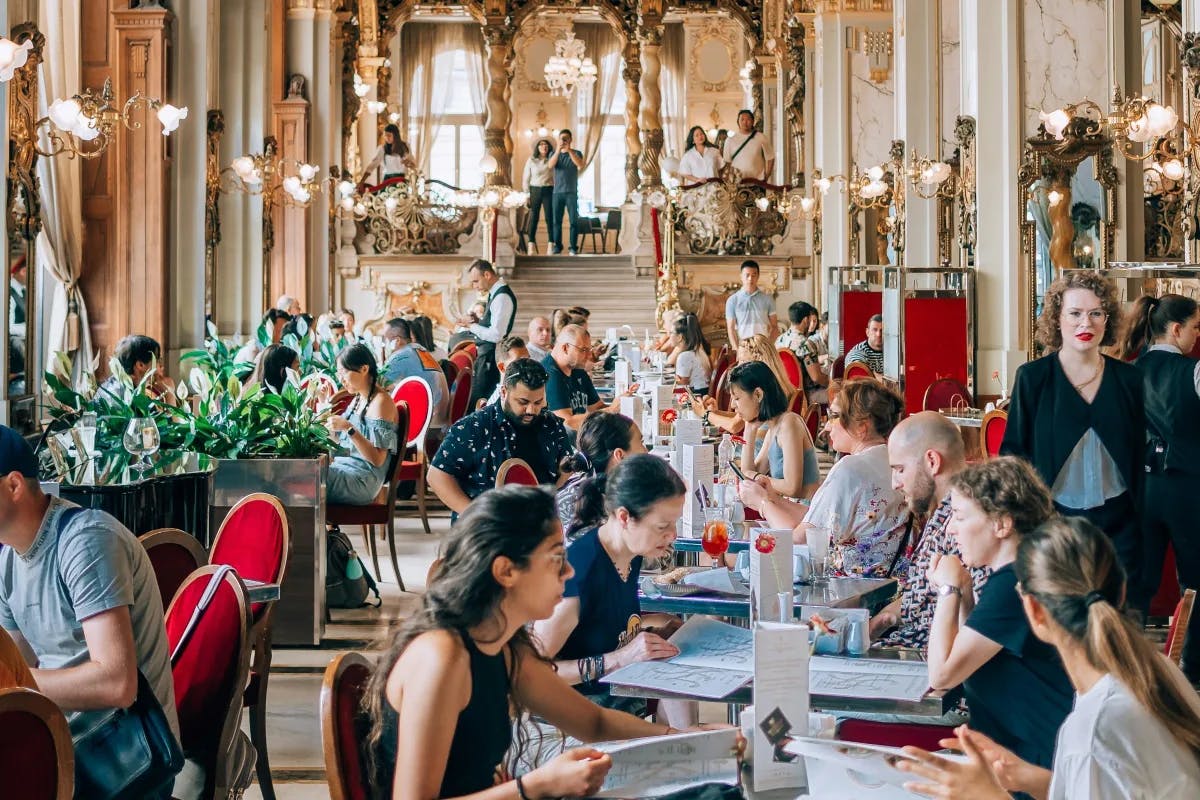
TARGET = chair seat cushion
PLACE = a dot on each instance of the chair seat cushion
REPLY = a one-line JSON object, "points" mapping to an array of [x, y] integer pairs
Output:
{"points": [[410, 471]]}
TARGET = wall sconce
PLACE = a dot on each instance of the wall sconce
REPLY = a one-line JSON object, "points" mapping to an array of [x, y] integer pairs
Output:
{"points": [[361, 87], [12, 57], [376, 107], [931, 179], [86, 123], [745, 79], [1134, 123], [261, 174], [541, 131]]}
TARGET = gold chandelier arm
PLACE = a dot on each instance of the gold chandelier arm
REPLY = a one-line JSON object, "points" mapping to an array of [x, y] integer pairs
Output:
{"points": [[59, 143]]}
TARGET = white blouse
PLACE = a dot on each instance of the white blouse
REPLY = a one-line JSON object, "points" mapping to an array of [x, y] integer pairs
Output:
{"points": [[694, 366], [392, 164], [539, 173], [698, 165]]}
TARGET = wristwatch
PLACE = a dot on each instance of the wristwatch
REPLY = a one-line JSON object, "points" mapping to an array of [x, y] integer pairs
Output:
{"points": [[945, 590]]}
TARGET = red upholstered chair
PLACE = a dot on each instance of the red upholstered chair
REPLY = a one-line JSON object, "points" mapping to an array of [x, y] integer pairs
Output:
{"points": [[450, 370], [721, 364], [254, 539], [460, 395], [415, 466], [516, 472], [210, 671], [343, 726], [174, 554], [893, 734], [946, 393], [814, 419], [382, 511], [1179, 625], [837, 370], [37, 761], [991, 432], [1167, 597], [721, 393], [461, 360], [858, 371], [468, 347], [792, 366]]}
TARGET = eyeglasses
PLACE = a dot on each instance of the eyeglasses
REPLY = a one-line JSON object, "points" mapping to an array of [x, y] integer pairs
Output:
{"points": [[834, 415], [577, 347], [1096, 315]]}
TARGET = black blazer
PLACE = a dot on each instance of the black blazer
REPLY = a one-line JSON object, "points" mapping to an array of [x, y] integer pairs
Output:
{"points": [[1047, 417]]}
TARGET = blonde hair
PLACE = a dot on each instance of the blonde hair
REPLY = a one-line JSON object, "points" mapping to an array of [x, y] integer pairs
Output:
{"points": [[760, 348], [1070, 567]]}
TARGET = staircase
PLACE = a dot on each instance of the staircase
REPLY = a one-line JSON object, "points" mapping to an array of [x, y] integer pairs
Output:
{"points": [[606, 285]]}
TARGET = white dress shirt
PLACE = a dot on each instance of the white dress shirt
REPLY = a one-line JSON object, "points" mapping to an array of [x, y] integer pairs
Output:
{"points": [[753, 159], [501, 306], [701, 165]]}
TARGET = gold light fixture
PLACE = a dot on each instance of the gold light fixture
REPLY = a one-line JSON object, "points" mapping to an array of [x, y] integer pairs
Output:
{"points": [[541, 131], [930, 179], [261, 174], [1137, 127], [86, 124]]}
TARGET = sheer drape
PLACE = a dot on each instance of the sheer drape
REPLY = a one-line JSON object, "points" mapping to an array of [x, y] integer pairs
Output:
{"points": [[673, 81], [426, 69], [592, 105], [60, 242]]}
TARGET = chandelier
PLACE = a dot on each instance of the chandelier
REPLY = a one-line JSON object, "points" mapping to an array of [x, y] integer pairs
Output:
{"points": [[569, 67]]}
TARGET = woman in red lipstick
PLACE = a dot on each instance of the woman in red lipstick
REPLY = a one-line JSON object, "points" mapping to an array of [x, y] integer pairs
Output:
{"points": [[1078, 415]]}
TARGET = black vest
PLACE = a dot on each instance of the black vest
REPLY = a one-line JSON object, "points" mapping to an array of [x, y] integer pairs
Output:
{"points": [[486, 319], [1172, 412]]}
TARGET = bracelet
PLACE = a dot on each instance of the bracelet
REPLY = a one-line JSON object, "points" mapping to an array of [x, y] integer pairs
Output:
{"points": [[591, 668], [521, 789]]}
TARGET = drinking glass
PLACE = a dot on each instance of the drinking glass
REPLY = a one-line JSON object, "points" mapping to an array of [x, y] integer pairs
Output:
{"points": [[818, 550], [715, 539], [141, 439], [87, 433]]}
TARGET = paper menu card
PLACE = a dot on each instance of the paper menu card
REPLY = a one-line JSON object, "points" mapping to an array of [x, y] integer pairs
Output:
{"points": [[696, 469], [622, 378], [780, 702], [705, 642], [662, 398], [688, 431], [852, 771], [664, 764], [666, 677], [771, 576], [870, 678], [715, 659]]}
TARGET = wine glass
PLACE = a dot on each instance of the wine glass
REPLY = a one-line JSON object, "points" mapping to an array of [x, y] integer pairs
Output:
{"points": [[141, 439], [715, 539]]}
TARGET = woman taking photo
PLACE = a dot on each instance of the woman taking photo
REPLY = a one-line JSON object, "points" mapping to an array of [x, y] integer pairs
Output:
{"points": [[1077, 415], [693, 367], [1014, 683], [439, 700], [392, 158], [539, 182], [1161, 331], [628, 516], [367, 431], [270, 370], [786, 456], [701, 160], [604, 440], [1135, 727]]}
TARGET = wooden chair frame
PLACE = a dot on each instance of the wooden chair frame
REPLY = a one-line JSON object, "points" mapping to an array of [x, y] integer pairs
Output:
{"points": [[20, 699], [330, 742], [419, 499], [175, 536], [857, 370], [260, 641], [231, 727], [507, 466], [962, 390], [983, 429], [1183, 615]]}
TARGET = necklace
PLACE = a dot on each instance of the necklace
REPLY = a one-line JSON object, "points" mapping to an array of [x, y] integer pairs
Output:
{"points": [[1096, 374], [622, 572]]}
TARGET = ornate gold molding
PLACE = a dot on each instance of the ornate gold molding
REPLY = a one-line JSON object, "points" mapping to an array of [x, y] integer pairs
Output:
{"points": [[24, 193], [713, 29], [212, 207]]}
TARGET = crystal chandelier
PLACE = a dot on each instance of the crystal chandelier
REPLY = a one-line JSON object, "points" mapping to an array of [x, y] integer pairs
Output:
{"points": [[569, 67]]}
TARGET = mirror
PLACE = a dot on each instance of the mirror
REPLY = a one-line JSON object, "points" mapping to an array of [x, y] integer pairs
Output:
{"points": [[1161, 78], [24, 223], [714, 62]]}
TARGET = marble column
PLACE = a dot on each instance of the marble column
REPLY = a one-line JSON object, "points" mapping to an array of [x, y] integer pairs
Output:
{"points": [[632, 75], [499, 115], [649, 119], [991, 92], [831, 144], [917, 118], [323, 150], [286, 229]]}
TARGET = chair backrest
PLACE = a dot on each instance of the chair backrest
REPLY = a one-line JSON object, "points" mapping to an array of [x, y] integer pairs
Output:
{"points": [[450, 369], [1179, 626], [343, 726], [594, 225], [1167, 597], [254, 539], [468, 347], [174, 554], [37, 759], [991, 432], [460, 395], [461, 360], [857, 370], [837, 370], [812, 420], [799, 403], [612, 220], [791, 366], [722, 392], [946, 393], [419, 396], [721, 363], [516, 472], [213, 665]]}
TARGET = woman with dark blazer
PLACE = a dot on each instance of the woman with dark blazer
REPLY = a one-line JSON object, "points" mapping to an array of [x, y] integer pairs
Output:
{"points": [[1078, 415]]}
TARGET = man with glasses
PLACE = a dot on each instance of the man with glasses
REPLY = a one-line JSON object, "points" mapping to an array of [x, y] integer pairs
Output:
{"points": [[570, 393]]}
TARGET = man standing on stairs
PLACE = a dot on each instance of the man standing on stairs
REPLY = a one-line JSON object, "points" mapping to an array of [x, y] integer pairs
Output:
{"points": [[500, 309], [567, 163]]}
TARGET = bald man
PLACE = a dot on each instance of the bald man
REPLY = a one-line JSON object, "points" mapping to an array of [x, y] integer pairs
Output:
{"points": [[570, 394], [539, 339], [926, 452]]}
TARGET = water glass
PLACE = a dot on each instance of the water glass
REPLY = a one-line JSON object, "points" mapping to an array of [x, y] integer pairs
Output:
{"points": [[87, 433], [818, 550], [141, 439]]}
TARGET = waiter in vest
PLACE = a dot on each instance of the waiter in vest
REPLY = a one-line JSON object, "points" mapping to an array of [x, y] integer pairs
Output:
{"points": [[748, 150], [500, 310]]}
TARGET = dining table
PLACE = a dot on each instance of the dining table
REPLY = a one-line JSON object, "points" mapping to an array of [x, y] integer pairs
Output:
{"points": [[869, 593]]}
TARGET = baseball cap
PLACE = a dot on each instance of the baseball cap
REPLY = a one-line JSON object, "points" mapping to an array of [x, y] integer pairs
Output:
{"points": [[15, 454]]}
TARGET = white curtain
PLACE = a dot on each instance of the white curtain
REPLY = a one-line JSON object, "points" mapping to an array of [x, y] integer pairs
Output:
{"points": [[672, 81], [592, 105], [60, 242], [428, 78]]}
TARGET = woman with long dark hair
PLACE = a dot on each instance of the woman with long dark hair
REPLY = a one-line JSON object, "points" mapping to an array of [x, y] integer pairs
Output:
{"points": [[701, 160], [786, 457], [393, 158], [605, 439], [270, 370], [693, 367], [367, 431], [539, 182], [1135, 727], [1161, 331], [440, 698]]}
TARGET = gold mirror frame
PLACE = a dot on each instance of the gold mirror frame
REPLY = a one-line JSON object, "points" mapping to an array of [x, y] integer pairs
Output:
{"points": [[24, 216], [1055, 161]]}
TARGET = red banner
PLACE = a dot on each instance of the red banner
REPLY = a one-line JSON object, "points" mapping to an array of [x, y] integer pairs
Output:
{"points": [[658, 256]]}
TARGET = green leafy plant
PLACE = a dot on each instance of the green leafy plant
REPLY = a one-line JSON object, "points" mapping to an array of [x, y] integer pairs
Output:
{"points": [[219, 358]]}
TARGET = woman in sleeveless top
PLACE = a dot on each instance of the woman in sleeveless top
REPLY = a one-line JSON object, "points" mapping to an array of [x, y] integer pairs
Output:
{"points": [[1162, 332], [367, 432], [439, 700], [787, 454]]}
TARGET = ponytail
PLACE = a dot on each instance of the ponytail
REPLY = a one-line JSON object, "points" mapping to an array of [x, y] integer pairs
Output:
{"points": [[1070, 567], [1149, 319], [600, 436], [589, 506]]}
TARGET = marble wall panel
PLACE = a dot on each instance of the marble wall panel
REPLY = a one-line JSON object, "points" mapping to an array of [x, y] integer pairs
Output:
{"points": [[1065, 55], [951, 69], [872, 114]]}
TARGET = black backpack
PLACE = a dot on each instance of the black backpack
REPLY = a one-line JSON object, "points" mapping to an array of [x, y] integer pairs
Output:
{"points": [[347, 582]]}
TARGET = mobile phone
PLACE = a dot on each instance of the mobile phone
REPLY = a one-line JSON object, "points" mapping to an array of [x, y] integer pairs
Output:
{"points": [[737, 470], [690, 395]]}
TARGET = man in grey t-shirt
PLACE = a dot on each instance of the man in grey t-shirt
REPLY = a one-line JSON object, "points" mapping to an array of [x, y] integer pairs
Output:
{"points": [[79, 597]]}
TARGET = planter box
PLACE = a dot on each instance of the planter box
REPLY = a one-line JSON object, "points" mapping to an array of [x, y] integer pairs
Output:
{"points": [[300, 486]]}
